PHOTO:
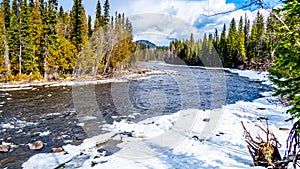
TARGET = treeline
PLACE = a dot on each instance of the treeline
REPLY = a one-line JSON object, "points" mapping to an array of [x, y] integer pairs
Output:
{"points": [[144, 52], [240, 46], [41, 40]]}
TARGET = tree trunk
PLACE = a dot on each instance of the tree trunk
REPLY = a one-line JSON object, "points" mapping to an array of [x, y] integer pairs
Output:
{"points": [[20, 58], [6, 53]]}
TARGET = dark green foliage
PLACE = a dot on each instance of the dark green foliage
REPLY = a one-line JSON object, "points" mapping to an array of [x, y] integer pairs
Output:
{"points": [[79, 26], [6, 5], [241, 47], [99, 20], [25, 38], [90, 31], [232, 44], [286, 70], [106, 12], [14, 41]]}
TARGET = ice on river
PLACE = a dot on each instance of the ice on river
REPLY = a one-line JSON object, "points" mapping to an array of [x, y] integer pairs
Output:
{"points": [[225, 147]]}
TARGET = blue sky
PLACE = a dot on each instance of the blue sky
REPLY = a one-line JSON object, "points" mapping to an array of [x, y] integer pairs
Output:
{"points": [[161, 20]]}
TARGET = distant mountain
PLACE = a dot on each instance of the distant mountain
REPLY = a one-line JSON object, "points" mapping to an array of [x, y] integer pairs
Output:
{"points": [[146, 42]]}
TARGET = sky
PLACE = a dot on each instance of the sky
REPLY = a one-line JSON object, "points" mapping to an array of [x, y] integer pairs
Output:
{"points": [[160, 21]]}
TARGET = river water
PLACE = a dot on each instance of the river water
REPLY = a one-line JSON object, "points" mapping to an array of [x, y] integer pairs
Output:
{"points": [[67, 115]]}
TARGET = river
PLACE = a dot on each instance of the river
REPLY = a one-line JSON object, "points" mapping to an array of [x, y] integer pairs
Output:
{"points": [[69, 114]]}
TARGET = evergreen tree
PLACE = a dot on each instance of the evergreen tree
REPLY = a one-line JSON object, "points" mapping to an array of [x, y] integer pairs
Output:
{"points": [[78, 25], [232, 44], [246, 38], [90, 31], [31, 4], [223, 47], [216, 41], [6, 11], [99, 18], [241, 42], [253, 44], [14, 42], [49, 37], [65, 60], [25, 39], [106, 12], [270, 36], [36, 33], [261, 39], [286, 71]]}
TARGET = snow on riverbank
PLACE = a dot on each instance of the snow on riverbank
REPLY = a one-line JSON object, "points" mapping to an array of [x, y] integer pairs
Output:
{"points": [[135, 145], [116, 79], [225, 148], [253, 75]]}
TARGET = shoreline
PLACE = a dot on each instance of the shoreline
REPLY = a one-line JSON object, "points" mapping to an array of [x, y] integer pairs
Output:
{"points": [[116, 78], [123, 77]]}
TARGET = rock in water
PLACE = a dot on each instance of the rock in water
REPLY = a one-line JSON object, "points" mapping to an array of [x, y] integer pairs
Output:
{"points": [[57, 150], [4, 148], [38, 145]]}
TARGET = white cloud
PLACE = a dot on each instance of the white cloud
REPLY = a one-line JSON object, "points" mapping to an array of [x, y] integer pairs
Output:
{"points": [[162, 20], [161, 28], [159, 21]]}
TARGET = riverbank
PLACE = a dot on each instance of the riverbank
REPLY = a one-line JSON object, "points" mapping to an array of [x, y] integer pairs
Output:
{"points": [[116, 78]]}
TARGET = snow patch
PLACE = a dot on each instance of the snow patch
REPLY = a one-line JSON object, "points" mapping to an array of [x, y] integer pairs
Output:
{"points": [[47, 160], [253, 75]]}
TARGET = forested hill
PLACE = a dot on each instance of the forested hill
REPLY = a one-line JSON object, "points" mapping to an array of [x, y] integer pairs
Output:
{"points": [[146, 43], [237, 46], [39, 40]]}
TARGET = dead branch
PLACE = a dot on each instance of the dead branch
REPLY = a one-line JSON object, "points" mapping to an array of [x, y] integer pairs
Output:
{"points": [[263, 153], [259, 3]]}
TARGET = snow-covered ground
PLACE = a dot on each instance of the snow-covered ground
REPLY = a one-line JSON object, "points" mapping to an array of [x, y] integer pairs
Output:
{"points": [[78, 82], [167, 142]]}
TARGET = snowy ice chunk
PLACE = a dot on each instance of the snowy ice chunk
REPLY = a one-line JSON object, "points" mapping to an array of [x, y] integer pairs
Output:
{"points": [[47, 161]]}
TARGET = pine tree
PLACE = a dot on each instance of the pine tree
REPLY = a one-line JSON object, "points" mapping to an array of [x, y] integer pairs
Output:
{"points": [[79, 30], [99, 18], [270, 35], [90, 31], [286, 71], [66, 57], [260, 37], [49, 36], [223, 47], [216, 41], [6, 6], [31, 4], [232, 44], [14, 43], [25, 39], [253, 44], [241, 42], [36, 33], [106, 12], [247, 37]]}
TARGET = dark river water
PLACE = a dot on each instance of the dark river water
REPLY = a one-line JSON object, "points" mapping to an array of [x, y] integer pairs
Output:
{"points": [[56, 115]]}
